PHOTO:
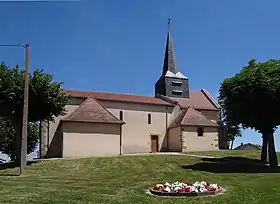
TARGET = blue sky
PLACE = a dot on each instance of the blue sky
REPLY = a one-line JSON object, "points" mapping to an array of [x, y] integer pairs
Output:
{"points": [[118, 46]]}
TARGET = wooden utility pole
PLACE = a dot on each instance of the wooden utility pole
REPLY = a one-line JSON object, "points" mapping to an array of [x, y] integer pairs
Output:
{"points": [[23, 159]]}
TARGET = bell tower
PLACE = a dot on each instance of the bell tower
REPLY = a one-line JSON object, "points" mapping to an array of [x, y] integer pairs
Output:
{"points": [[172, 83]]}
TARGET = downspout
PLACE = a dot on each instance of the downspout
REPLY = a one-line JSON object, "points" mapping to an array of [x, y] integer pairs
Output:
{"points": [[121, 139], [166, 127]]}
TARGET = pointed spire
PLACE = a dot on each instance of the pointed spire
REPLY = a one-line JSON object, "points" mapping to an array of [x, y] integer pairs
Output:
{"points": [[169, 58]]}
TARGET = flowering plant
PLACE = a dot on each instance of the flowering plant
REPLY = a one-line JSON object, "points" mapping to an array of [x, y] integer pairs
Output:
{"points": [[187, 187]]}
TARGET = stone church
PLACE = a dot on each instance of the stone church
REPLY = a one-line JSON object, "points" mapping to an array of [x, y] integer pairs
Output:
{"points": [[176, 119]]}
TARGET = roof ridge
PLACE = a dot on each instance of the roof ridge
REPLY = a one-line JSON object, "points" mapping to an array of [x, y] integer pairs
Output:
{"points": [[203, 116], [80, 106], [210, 98], [165, 98], [104, 92], [178, 119], [107, 96], [107, 110], [102, 107]]}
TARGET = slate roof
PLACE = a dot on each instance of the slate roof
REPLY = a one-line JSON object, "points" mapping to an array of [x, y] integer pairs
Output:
{"points": [[117, 97], [169, 58], [92, 111]]}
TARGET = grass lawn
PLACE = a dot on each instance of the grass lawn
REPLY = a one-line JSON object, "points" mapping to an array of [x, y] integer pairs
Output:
{"points": [[234, 153], [124, 180]]}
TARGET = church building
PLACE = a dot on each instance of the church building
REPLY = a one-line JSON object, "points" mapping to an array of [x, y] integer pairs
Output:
{"points": [[176, 119]]}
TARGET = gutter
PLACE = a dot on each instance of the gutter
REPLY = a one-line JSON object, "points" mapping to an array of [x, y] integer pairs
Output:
{"points": [[166, 128]]}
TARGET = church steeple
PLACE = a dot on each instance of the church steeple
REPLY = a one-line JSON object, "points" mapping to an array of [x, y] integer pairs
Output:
{"points": [[169, 58], [172, 83]]}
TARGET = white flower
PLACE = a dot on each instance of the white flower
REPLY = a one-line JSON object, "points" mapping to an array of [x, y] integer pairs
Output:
{"points": [[194, 189], [213, 186], [159, 185], [202, 189], [167, 189], [176, 189]]}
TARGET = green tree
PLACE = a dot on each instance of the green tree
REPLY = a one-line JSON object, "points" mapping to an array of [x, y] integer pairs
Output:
{"points": [[46, 98], [251, 98], [8, 137], [232, 131]]}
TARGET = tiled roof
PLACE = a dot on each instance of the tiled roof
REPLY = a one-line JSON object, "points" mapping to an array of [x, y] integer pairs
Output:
{"points": [[198, 100], [117, 97], [92, 111], [192, 117], [195, 118]]}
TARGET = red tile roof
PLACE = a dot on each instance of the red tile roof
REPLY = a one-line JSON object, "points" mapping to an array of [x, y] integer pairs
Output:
{"points": [[196, 118], [192, 117], [198, 100], [92, 111], [117, 97]]}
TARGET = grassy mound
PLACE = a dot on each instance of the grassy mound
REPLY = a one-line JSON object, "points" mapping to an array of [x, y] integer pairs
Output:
{"points": [[125, 179]]}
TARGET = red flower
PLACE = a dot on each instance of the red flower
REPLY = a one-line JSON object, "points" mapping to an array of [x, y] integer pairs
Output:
{"points": [[188, 189], [181, 190], [212, 189], [189, 184]]}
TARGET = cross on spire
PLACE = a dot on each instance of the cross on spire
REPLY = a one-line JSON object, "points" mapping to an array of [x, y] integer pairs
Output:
{"points": [[169, 24], [169, 59], [169, 21]]}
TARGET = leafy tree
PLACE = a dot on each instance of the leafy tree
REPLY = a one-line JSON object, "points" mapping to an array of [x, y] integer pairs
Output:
{"points": [[8, 137], [46, 98], [252, 97], [232, 131]]}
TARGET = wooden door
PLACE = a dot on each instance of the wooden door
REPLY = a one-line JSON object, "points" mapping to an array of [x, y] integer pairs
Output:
{"points": [[154, 143]]}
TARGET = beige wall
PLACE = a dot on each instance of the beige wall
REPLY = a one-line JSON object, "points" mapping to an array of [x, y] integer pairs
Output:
{"points": [[192, 142], [173, 113], [90, 139], [137, 132], [174, 139], [55, 147], [53, 126]]}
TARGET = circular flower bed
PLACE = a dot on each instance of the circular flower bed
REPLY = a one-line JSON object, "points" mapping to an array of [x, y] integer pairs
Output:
{"points": [[186, 189]]}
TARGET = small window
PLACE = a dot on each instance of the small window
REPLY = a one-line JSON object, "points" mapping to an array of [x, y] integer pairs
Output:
{"points": [[200, 132], [121, 115], [149, 118], [177, 83], [177, 92]]}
